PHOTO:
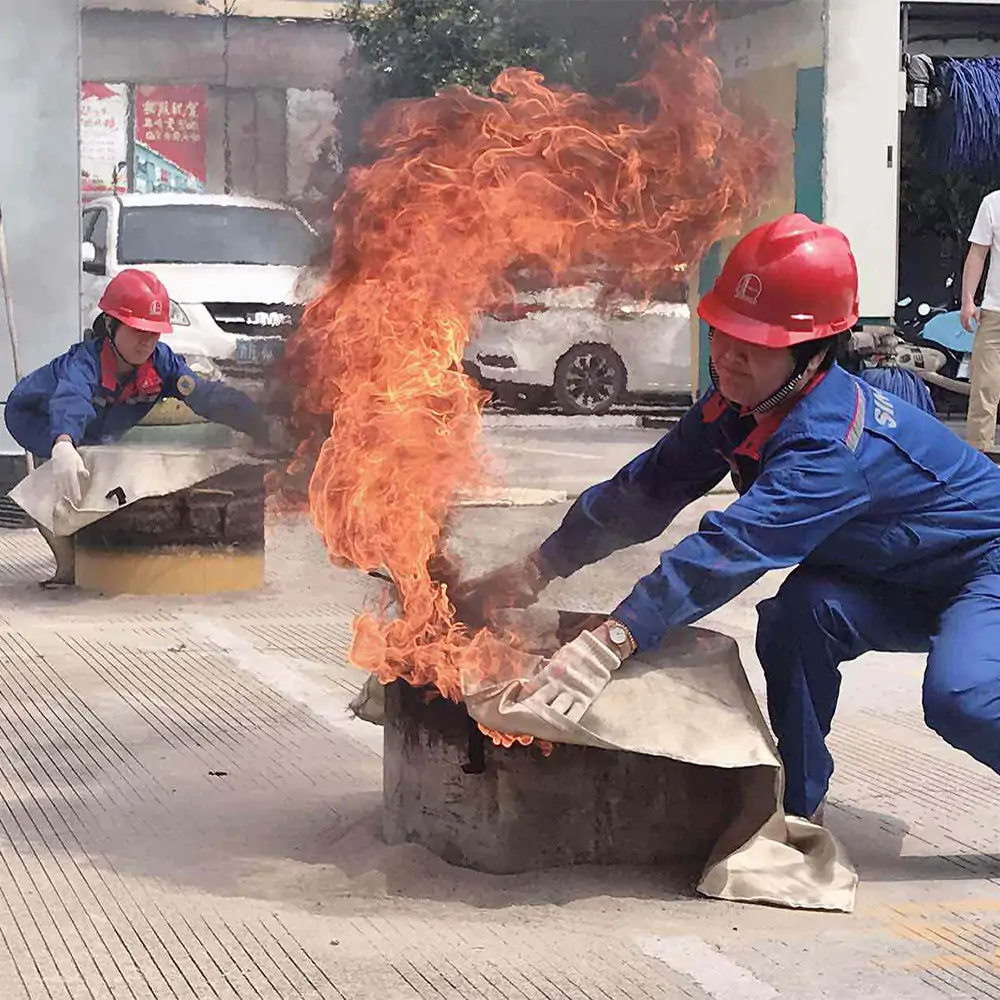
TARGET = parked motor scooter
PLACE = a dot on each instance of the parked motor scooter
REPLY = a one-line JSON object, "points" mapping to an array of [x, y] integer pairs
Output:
{"points": [[943, 334], [926, 341]]}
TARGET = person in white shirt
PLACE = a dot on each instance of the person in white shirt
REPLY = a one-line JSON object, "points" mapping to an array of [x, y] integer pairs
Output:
{"points": [[984, 395]]}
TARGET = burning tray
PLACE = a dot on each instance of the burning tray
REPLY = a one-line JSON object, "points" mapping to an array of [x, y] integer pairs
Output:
{"points": [[506, 810]]}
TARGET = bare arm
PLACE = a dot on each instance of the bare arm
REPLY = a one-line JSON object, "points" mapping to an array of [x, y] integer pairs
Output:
{"points": [[971, 276]]}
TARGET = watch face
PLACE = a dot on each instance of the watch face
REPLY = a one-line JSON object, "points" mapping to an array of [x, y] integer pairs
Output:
{"points": [[618, 635]]}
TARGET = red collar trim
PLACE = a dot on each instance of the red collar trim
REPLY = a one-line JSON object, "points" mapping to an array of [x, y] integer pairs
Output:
{"points": [[714, 407], [109, 370], [144, 381], [771, 421]]}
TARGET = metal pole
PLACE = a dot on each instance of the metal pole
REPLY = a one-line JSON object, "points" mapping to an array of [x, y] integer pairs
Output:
{"points": [[225, 12], [133, 96], [8, 302], [227, 152]]}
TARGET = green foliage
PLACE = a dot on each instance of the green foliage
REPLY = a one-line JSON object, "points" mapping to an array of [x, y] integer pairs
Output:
{"points": [[416, 47], [935, 206], [942, 205]]}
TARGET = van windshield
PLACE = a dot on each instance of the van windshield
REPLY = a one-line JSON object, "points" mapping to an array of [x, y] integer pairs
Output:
{"points": [[214, 234]]}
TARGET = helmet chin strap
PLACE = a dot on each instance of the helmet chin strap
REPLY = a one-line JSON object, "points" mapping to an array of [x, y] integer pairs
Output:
{"points": [[793, 385], [114, 347], [795, 382]]}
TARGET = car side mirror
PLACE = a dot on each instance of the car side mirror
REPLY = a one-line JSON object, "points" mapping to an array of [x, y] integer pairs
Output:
{"points": [[88, 254]]}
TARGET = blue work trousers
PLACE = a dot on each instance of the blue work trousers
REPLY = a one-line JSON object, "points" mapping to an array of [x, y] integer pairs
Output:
{"points": [[820, 619]]}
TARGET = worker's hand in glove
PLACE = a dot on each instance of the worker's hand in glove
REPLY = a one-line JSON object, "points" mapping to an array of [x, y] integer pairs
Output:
{"points": [[573, 679], [71, 475], [516, 585]]}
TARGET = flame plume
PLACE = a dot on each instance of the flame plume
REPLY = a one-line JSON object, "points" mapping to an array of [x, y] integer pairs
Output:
{"points": [[637, 186]]}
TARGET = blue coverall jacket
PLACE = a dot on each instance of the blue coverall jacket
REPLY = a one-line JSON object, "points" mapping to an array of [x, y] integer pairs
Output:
{"points": [[78, 394], [893, 521]]}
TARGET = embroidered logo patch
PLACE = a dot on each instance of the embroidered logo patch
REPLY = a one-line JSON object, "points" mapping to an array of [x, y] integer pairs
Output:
{"points": [[186, 384]]}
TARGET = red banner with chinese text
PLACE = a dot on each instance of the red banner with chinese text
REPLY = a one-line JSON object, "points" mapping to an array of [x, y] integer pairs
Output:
{"points": [[172, 122]]}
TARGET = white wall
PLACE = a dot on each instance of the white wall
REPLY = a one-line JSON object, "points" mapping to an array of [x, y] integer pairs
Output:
{"points": [[861, 188], [789, 34], [40, 181]]}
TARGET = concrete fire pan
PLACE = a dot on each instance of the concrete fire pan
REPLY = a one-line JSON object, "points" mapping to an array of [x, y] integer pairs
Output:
{"points": [[504, 811], [204, 539]]}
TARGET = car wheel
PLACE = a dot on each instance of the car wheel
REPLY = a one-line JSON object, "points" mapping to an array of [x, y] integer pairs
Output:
{"points": [[590, 378]]}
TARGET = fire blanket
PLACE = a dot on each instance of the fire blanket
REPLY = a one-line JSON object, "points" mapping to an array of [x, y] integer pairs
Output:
{"points": [[120, 475], [689, 700]]}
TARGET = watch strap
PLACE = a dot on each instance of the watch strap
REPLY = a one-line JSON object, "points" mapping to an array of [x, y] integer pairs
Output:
{"points": [[630, 645]]}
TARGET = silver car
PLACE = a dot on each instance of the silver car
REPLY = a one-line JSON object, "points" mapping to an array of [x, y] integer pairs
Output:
{"points": [[562, 343]]}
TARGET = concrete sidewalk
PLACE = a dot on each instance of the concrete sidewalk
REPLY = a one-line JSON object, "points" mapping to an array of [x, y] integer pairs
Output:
{"points": [[188, 811]]}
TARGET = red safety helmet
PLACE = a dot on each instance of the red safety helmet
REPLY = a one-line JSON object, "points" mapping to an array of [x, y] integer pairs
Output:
{"points": [[138, 299], [786, 282]]}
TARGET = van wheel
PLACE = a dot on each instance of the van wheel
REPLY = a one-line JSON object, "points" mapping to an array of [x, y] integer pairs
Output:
{"points": [[590, 379]]}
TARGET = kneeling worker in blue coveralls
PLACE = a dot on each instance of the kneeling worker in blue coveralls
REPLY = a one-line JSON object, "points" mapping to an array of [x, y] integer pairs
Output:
{"points": [[99, 389], [892, 522]]}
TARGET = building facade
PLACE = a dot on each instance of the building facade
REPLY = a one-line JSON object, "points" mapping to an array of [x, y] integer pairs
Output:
{"points": [[228, 96]]}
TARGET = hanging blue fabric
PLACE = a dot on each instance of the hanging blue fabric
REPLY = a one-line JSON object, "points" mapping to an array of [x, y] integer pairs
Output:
{"points": [[965, 133]]}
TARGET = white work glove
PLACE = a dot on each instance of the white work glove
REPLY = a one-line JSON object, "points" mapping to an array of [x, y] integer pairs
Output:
{"points": [[573, 679], [71, 475]]}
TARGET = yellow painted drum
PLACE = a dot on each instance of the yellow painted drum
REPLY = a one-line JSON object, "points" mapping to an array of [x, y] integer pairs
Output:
{"points": [[207, 539]]}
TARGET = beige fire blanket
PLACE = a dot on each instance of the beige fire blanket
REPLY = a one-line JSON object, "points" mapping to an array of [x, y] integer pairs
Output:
{"points": [[690, 700], [120, 475]]}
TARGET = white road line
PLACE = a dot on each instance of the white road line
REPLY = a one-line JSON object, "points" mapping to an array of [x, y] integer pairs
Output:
{"points": [[280, 673], [515, 496], [718, 976], [551, 421], [521, 449]]}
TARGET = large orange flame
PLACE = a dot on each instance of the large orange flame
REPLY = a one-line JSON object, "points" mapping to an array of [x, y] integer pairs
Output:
{"points": [[635, 186]]}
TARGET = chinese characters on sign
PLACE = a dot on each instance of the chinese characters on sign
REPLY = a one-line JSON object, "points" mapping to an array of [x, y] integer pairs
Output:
{"points": [[170, 126], [171, 121]]}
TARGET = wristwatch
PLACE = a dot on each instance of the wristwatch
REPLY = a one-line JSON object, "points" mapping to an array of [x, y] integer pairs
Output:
{"points": [[621, 638]]}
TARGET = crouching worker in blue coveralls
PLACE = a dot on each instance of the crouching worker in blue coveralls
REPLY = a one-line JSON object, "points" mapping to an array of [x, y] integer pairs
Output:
{"points": [[891, 522], [99, 389]]}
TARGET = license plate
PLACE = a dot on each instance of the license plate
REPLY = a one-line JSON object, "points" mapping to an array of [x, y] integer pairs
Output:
{"points": [[963, 368], [259, 350]]}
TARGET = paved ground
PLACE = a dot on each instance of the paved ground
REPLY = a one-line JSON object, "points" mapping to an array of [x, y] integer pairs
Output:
{"points": [[187, 811], [568, 457]]}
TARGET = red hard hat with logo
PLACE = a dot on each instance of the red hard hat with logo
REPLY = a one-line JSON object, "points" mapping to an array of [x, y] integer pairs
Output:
{"points": [[138, 299], [785, 283]]}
